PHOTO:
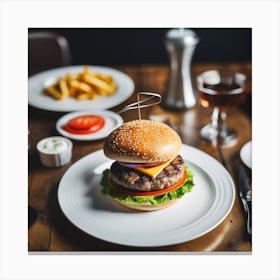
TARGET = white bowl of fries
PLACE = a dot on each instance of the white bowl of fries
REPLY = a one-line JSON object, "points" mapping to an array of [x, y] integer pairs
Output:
{"points": [[75, 88]]}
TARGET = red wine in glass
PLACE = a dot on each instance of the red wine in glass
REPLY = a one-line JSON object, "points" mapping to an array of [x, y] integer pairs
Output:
{"points": [[220, 90]]}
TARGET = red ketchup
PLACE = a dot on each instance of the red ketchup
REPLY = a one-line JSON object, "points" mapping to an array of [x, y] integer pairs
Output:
{"points": [[84, 124]]}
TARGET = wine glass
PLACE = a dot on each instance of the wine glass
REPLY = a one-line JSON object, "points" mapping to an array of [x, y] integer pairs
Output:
{"points": [[220, 89]]}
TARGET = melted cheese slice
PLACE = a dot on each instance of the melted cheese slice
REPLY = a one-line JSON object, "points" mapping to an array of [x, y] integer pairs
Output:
{"points": [[153, 171]]}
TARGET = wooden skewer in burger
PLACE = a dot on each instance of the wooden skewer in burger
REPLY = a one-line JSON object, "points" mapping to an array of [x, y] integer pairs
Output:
{"points": [[148, 173]]}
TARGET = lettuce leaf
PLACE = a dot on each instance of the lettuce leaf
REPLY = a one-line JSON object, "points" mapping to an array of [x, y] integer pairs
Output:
{"points": [[153, 200]]}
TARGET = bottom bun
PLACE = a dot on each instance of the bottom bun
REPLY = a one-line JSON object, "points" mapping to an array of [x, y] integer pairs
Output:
{"points": [[147, 207]]}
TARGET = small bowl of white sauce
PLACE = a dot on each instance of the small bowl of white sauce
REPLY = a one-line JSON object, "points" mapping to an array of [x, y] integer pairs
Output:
{"points": [[55, 151]]}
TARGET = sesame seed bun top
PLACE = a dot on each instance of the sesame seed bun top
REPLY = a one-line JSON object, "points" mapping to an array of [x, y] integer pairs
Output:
{"points": [[143, 142]]}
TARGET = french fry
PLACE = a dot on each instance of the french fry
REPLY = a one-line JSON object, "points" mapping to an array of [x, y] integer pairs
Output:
{"points": [[80, 85], [63, 88], [105, 78], [51, 90], [93, 94], [82, 96], [85, 85], [72, 91], [69, 77], [98, 83], [86, 69]]}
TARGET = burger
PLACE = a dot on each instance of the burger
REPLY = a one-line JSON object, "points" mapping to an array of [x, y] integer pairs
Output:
{"points": [[148, 172]]}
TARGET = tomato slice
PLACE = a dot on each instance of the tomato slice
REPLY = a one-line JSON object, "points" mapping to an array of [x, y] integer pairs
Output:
{"points": [[158, 192], [84, 124]]}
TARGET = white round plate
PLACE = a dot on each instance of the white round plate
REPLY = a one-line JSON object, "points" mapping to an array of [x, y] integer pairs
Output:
{"points": [[112, 121], [198, 212], [246, 154], [38, 82]]}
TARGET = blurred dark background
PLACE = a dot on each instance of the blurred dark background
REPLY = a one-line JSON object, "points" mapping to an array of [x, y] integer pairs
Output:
{"points": [[113, 46]]}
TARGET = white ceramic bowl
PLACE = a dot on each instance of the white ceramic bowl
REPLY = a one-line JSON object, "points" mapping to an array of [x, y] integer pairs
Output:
{"points": [[55, 151]]}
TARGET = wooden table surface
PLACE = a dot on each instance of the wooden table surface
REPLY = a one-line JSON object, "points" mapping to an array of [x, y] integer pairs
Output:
{"points": [[53, 232]]}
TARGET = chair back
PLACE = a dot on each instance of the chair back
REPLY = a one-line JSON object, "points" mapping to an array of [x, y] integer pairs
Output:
{"points": [[47, 50]]}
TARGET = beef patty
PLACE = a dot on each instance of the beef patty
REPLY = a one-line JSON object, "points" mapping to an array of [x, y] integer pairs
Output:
{"points": [[135, 180]]}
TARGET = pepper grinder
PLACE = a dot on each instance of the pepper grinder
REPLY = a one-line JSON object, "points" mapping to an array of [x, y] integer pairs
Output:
{"points": [[180, 44]]}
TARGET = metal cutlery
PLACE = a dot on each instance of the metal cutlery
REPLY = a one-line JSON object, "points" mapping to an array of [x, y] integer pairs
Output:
{"points": [[245, 195]]}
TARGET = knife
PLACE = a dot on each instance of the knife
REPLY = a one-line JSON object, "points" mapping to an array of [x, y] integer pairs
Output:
{"points": [[245, 195]]}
